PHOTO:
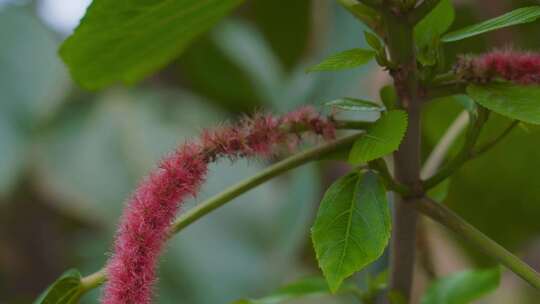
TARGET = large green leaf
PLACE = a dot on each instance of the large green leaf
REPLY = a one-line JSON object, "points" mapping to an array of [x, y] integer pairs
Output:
{"points": [[462, 287], [352, 226], [65, 290], [381, 139], [518, 16], [517, 102], [127, 40], [345, 60], [429, 29]]}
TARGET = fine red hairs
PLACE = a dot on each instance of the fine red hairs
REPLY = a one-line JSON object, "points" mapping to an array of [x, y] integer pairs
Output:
{"points": [[517, 67], [147, 218]]}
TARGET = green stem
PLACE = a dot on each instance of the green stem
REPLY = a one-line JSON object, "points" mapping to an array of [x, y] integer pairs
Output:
{"points": [[285, 165], [487, 146], [452, 221], [391, 184], [439, 153], [94, 280], [400, 41], [464, 155]]}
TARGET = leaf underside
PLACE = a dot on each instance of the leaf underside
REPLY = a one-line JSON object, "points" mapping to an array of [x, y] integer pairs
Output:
{"points": [[124, 41], [513, 101]]}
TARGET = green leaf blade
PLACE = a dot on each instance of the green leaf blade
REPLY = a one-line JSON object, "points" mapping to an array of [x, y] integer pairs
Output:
{"points": [[462, 287], [383, 138], [513, 101], [344, 60], [515, 17], [65, 290], [436, 23], [354, 104], [124, 41], [352, 228], [428, 31]]}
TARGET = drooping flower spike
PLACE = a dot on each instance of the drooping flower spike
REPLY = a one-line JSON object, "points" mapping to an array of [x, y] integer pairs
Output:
{"points": [[517, 67], [147, 218]]}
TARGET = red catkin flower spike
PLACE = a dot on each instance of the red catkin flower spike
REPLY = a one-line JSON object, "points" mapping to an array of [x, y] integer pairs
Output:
{"points": [[518, 67], [147, 218]]}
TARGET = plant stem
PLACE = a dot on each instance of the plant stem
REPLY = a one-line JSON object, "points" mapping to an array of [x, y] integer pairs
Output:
{"points": [[407, 159], [437, 156], [452, 221], [487, 146], [94, 280], [285, 165], [466, 152], [380, 166]]}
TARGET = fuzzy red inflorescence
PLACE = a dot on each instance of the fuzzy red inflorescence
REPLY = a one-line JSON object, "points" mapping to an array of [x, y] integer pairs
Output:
{"points": [[146, 221], [518, 67]]}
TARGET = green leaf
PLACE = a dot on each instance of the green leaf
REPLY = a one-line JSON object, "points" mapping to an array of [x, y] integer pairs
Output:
{"points": [[65, 290], [434, 24], [362, 12], [518, 16], [311, 286], [128, 40], [345, 60], [389, 97], [352, 227], [373, 41], [517, 102], [429, 29], [354, 104], [462, 287], [383, 138]]}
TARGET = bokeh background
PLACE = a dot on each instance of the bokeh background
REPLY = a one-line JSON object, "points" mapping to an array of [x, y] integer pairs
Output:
{"points": [[70, 157]]}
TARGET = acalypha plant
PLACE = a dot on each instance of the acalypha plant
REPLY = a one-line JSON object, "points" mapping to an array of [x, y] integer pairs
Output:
{"points": [[374, 206]]}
